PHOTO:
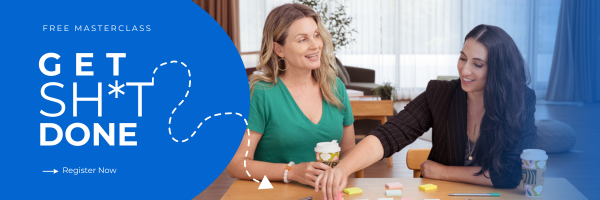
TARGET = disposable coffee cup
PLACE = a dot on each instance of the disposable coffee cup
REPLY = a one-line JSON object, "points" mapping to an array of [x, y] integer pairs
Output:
{"points": [[533, 162], [328, 153]]}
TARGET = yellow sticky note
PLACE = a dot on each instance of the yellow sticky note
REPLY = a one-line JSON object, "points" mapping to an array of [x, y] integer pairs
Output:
{"points": [[353, 190], [428, 187]]}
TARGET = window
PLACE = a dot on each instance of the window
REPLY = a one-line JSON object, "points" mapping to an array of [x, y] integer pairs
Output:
{"points": [[409, 42]]}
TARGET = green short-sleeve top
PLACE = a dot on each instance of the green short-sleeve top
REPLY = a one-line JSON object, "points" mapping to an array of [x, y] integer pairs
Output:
{"points": [[287, 134]]}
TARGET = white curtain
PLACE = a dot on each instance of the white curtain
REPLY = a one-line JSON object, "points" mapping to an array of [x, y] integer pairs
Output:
{"points": [[409, 42]]}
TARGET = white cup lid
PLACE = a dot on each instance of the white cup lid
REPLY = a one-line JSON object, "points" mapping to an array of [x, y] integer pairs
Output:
{"points": [[328, 147], [534, 154]]}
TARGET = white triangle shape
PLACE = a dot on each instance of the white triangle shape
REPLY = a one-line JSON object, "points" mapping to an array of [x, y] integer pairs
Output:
{"points": [[265, 184]]}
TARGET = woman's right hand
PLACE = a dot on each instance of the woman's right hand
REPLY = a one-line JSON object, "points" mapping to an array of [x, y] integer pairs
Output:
{"points": [[307, 172], [331, 182]]}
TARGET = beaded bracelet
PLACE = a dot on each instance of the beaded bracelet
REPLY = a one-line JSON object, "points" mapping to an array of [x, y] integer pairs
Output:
{"points": [[287, 169]]}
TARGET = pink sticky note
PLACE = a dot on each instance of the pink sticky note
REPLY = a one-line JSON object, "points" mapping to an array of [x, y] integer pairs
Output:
{"points": [[394, 185], [339, 196]]}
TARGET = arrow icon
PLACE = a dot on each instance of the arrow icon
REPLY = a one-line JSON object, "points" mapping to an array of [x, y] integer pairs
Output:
{"points": [[51, 171]]}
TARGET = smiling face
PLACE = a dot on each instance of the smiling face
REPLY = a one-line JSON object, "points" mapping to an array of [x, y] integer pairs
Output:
{"points": [[472, 66], [303, 45]]}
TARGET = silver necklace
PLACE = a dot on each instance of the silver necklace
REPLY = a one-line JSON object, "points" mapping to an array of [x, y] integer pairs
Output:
{"points": [[474, 129]]}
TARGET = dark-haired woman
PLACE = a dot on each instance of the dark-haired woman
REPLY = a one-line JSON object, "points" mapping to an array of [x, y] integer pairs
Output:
{"points": [[481, 122]]}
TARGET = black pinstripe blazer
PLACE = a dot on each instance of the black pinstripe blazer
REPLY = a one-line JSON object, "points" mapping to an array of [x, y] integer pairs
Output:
{"points": [[443, 107]]}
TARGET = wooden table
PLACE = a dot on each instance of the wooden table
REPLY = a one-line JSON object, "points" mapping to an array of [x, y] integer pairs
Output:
{"points": [[376, 110], [373, 188]]}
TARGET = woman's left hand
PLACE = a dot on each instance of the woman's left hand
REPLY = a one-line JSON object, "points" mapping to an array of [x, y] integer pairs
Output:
{"points": [[433, 170]]}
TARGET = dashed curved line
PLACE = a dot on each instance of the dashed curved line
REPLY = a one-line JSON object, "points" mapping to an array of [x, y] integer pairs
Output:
{"points": [[199, 125], [180, 103], [246, 156], [183, 100], [186, 94], [206, 119]]}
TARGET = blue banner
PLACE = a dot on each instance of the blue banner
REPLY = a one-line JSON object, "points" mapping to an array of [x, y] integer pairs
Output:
{"points": [[116, 99]]}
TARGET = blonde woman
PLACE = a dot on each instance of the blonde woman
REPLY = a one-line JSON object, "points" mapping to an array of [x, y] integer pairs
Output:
{"points": [[297, 102]]}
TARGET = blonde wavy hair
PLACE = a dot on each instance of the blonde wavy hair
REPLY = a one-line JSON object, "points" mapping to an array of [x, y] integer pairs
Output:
{"points": [[276, 29]]}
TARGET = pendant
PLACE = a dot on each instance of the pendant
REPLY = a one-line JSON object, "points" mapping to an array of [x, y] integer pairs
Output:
{"points": [[470, 157]]}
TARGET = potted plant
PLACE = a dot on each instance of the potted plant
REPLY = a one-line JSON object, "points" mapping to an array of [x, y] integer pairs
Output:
{"points": [[386, 91]]}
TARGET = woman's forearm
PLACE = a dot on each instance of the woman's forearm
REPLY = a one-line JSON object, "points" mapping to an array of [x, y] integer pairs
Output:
{"points": [[257, 170], [465, 174], [343, 154], [364, 154]]}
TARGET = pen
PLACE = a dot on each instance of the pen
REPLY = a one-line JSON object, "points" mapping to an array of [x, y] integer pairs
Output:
{"points": [[307, 198], [476, 194]]}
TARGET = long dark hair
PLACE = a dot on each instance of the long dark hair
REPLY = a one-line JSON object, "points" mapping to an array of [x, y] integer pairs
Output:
{"points": [[503, 96]]}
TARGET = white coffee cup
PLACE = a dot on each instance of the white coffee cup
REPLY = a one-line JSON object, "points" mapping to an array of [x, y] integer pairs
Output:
{"points": [[533, 164], [328, 153]]}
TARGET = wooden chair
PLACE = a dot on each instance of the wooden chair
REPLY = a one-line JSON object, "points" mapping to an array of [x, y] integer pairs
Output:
{"points": [[375, 110], [414, 158], [359, 174]]}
